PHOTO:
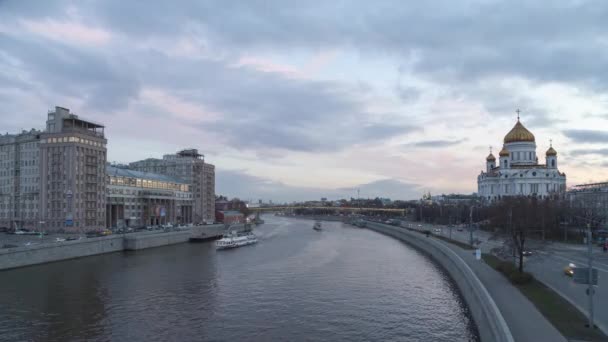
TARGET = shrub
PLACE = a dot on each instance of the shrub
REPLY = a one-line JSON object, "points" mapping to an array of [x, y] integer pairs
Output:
{"points": [[518, 278]]}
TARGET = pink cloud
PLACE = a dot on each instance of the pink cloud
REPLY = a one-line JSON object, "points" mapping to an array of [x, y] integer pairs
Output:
{"points": [[68, 31]]}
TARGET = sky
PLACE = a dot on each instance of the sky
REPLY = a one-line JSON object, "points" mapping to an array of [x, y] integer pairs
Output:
{"points": [[294, 100]]}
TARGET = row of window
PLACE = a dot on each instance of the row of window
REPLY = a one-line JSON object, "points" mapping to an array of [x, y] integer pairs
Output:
{"points": [[145, 183], [72, 140]]}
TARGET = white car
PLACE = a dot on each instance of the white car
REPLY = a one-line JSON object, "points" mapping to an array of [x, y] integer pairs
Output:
{"points": [[437, 230]]}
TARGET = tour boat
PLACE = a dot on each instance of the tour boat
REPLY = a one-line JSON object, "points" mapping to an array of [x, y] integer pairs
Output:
{"points": [[317, 226], [234, 240]]}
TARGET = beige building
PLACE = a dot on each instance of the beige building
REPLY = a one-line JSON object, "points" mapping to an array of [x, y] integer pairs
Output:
{"points": [[136, 199], [189, 166], [54, 179]]}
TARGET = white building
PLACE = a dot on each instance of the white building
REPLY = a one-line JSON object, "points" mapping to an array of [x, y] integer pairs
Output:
{"points": [[518, 172]]}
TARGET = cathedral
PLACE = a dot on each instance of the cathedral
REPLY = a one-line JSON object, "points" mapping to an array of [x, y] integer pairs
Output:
{"points": [[518, 172]]}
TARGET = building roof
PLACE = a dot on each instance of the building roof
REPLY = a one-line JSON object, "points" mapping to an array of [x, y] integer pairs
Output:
{"points": [[551, 152], [519, 133], [504, 152], [490, 157], [124, 172]]}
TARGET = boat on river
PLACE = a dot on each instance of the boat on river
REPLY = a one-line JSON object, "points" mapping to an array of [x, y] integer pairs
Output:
{"points": [[317, 226], [234, 240]]}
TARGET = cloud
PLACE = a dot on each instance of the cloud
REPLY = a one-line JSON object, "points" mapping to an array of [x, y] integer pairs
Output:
{"points": [[237, 183], [436, 143], [586, 135], [599, 151]]}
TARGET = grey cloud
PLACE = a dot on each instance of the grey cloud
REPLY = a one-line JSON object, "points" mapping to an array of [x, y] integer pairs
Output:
{"points": [[548, 41], [598, 151], [102, 82], [437, 143], [586, 135], [267, 110]]}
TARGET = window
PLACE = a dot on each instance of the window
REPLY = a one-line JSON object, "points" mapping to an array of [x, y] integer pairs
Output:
{"points": [[552, 162], [506, 188]]}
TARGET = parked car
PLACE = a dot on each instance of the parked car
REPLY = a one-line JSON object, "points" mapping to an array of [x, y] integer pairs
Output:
{"points": [[72, 238], [527, 253], [459, 229], [437, 231]]}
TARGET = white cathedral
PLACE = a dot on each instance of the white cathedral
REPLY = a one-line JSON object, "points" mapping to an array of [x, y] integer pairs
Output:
{"points": [[519, 173]]}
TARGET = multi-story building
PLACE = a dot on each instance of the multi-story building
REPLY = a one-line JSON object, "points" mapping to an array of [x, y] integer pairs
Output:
{"points": [[54, 179], [591, 200], [72, 172], [19, 179], [189, 166], [136, 198]]}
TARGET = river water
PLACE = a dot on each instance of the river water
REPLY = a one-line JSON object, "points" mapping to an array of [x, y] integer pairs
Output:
{"points": [[296, 284]]}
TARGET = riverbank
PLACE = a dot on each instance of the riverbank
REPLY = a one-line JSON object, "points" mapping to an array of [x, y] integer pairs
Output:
{"points": [[57, 251]]}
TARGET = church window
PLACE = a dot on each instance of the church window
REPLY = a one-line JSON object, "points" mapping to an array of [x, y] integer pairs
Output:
{"points": [[521, 188], [506, 163], [547, 187], [534, 188], [521, 175], [530, 155], [506, 188], [533, 173], [553, 163]]}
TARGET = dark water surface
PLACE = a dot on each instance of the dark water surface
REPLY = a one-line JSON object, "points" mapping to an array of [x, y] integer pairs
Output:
{"points": [[342, 284]]}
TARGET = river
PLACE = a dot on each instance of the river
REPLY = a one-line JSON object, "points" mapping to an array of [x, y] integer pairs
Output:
{"points": [[296, 284]]}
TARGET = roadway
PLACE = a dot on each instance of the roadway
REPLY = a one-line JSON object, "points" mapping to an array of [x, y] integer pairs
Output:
{"points": [[547, 264]]}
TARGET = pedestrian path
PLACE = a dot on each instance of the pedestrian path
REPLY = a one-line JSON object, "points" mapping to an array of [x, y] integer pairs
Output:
{"points": [[524, 320]]}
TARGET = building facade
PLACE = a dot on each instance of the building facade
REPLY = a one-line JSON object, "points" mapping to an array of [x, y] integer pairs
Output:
{"points": [[54, 179], [591, 200], [189, 166], [19, 179], [136, 199], [518, 172]]}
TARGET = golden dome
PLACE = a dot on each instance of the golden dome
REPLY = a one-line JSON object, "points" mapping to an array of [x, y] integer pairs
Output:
{"points": [[519, 133], [491, 157], [551, 152], [504, 152]]}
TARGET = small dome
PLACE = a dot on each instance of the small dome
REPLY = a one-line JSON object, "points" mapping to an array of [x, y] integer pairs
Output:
{"points": [[504, 152], [519, 133], [491, 157], [551, 152]]}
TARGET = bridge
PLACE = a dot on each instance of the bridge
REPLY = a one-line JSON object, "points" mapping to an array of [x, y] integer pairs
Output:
{"points": [[336, 209]]}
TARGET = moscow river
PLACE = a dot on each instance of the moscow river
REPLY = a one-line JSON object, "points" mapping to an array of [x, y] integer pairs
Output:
{"points": [[295, 284]]}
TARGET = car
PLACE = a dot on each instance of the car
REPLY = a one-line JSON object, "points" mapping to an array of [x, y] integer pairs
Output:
{"points": [[437, 230], [527, 253], [72, 238], [569, 270]]}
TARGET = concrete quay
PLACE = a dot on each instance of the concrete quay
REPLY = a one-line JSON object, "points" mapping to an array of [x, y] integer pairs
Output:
{"points": [[56, 251]]}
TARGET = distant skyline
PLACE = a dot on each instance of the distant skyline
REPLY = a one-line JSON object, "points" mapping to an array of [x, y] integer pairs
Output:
{"points": [[295, 100]]}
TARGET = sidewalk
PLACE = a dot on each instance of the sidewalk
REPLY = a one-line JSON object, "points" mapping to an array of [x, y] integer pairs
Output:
{"points": [[524, 320]]}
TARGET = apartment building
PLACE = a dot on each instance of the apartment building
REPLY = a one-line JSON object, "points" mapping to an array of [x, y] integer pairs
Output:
{"points": [[189, 166], [54, 179]]}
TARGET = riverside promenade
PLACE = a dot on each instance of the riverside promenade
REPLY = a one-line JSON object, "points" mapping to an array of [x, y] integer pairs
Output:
{"points": [[525, 322]]}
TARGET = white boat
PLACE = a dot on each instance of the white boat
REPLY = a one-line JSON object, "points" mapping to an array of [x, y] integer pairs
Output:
{"points": [[317, 226], [20, 232], [59, 240], [234, 240]]}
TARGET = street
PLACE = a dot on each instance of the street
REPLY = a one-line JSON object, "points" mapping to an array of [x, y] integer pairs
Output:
{"points": [[547, 264]]}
